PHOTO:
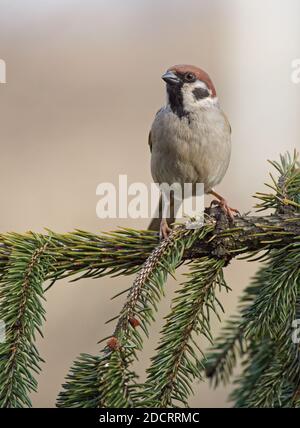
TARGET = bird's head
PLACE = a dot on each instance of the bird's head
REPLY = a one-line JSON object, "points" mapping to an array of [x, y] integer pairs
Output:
{"points": [[189, 88]]}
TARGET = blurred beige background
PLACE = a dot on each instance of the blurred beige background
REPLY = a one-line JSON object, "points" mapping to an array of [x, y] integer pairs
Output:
{"points": [[83, 84]]}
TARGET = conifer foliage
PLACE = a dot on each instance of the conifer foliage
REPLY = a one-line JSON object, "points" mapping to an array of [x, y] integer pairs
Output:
{"points": [[261, 335]]}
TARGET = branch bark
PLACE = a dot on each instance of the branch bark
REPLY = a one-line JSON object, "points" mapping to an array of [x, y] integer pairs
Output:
{"points": [[123, 252], [246, 234]]}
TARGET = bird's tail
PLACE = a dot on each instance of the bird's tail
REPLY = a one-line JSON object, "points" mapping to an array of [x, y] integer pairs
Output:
{"points": [[154, 224]]}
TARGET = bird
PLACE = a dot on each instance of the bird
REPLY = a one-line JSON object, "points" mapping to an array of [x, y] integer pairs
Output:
{"points": [[190, 138]]}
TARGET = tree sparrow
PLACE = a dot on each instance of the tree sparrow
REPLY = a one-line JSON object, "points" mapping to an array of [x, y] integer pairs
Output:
{"points": [[190, 137]]}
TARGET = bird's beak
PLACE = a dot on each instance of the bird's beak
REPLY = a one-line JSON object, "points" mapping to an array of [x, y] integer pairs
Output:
{"points": [[171, 78]]}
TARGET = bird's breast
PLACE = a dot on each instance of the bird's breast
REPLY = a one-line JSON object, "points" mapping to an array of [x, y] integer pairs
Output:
{"points": [[191, 149]]}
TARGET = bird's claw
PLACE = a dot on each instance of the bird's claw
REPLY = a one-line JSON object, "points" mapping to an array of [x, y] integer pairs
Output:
{"points": [[165, 230], [230, 212]]}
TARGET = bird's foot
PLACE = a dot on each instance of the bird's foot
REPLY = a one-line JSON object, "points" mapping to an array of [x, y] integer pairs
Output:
{"points": [[165, 229], [231, 212]]}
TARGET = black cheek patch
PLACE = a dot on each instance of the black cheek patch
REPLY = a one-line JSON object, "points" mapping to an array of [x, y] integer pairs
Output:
{"points": [[200, 93]]}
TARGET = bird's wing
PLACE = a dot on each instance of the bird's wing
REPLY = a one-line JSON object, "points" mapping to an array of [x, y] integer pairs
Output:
{"points": [[227, 121], [150, 142], [150, 138]]}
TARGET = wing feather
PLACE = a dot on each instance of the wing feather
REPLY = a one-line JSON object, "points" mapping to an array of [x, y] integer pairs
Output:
{"points": [[150, 142]]}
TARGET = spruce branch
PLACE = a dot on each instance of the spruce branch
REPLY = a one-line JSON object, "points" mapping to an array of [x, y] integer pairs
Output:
{"points": [[274, 307], [232, 342], [260, 334], [177, 361], [267, 310], [140, 304], [22, 312], [278, 384], [258, 361], [117, 379], [82, 386], [86, 255], [285, 196], [225, 351]]}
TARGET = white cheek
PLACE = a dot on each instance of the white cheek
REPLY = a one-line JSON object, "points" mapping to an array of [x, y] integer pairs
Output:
{"points": [[188, 96], [189, 100]]}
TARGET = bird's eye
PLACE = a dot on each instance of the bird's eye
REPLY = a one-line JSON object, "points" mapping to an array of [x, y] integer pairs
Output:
{"points": [[189, 77]]}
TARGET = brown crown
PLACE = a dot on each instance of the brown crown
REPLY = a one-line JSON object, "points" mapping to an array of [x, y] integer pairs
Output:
{"points": [[199, 73]]}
